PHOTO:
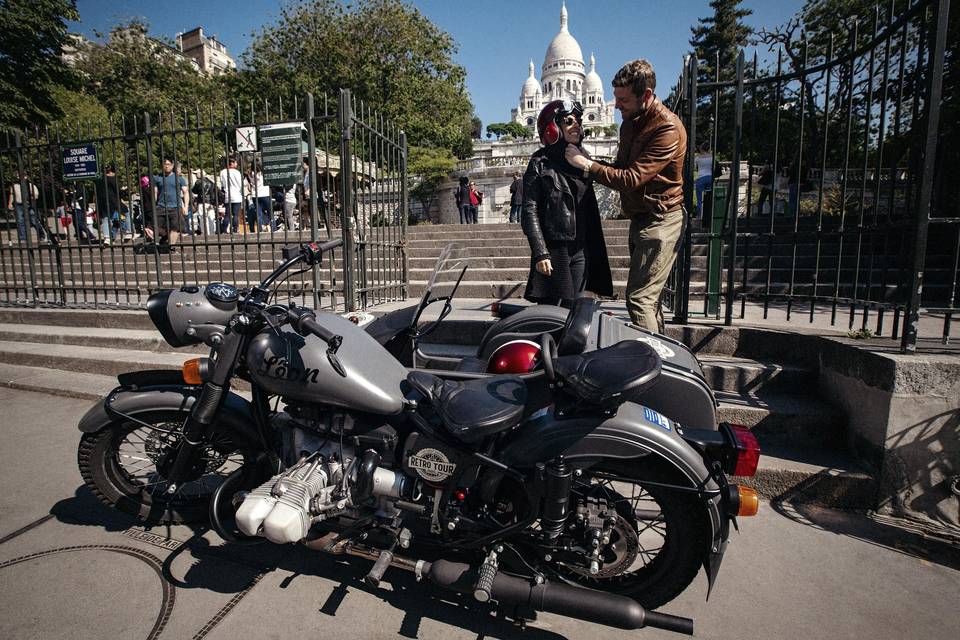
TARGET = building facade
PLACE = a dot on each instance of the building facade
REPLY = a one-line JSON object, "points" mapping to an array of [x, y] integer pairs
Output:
{"points": [[209, 53], [564, 75]]}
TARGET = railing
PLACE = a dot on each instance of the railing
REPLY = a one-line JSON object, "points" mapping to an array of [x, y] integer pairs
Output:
{"points": [[84, 236], [830, 121]]}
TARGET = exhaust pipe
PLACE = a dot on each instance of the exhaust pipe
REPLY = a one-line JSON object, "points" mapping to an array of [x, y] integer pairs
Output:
{"points": [[574, 602], [566, 600]]}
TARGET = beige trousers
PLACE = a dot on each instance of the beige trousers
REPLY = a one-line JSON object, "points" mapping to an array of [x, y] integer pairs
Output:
{"points": [[654, 244]]}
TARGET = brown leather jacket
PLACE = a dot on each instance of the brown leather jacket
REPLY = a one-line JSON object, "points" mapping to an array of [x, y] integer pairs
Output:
{"points": [[648, 171]]}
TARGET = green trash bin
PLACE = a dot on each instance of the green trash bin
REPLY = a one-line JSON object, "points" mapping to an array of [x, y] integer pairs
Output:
{"points": [[718, 211]]}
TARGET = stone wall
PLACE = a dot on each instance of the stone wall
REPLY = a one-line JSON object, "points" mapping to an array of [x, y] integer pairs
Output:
{"points": [[904, 419]]}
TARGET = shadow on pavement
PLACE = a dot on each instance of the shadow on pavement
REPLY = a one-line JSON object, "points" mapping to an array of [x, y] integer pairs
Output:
{"points": [[897, 535], [417, 600]]}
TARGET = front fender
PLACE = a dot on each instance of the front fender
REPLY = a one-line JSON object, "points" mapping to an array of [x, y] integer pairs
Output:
{"points": [[235, 414], [635, 431]]}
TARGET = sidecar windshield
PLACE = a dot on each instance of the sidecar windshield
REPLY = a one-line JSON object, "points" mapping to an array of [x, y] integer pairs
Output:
{"points": [[446, 272]]}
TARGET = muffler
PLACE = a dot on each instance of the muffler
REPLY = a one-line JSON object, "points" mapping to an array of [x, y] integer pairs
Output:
{"points": [[566, 600]]}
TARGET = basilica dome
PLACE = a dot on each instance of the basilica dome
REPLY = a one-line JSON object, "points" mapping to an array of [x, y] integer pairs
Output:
{"points": [[563, 46], [531, 86], [592, 83]]}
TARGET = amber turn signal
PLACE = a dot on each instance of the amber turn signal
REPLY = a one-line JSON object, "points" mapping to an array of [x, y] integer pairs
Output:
{"points": [[192, 371], [749, 501]]}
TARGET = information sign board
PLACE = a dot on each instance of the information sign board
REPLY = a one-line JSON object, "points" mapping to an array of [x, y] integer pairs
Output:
{"points": [[281, 151], [80, 162]]}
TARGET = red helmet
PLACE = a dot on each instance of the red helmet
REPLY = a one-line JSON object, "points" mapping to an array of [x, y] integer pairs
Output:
{"points": [[548, 122], [516, 356]]}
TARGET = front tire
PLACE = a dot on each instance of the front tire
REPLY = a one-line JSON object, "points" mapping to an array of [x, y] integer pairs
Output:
{"points": [[123, 465]]}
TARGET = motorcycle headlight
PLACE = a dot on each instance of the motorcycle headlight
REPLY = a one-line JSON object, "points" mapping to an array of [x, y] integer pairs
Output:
{"points": [[176, 312]]}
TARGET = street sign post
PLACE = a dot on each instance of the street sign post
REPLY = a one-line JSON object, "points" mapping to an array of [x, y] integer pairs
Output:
{"points": [[281, 152], [80, 162]]}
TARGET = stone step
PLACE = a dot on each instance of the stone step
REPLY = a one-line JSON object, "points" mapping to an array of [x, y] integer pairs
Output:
{"points": [[746, 375], [107, 338], [784, 418], [86, 360]]}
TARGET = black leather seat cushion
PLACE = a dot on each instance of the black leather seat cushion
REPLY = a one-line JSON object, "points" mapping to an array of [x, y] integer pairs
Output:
{"points": [[474, 409], [576, 330], [472, 364], [607, 376]]}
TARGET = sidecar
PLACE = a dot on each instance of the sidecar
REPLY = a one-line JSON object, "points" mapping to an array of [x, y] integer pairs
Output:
{"points": [[681, 393]]}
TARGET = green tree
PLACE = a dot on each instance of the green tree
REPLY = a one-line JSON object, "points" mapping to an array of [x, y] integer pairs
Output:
{"points": [[133, 73], [389, 54], [720, 37], [429, 167], [32, 35], [511, 129]]}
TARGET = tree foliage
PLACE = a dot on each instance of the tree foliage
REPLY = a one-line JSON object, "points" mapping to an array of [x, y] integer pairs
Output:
{"points": [[132, 73], [32, 35], [720, 37], [388, 53], [512, 129], [429, 168]]}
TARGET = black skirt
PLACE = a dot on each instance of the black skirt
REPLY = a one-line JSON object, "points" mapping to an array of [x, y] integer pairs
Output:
{"points": [[567, 280]]}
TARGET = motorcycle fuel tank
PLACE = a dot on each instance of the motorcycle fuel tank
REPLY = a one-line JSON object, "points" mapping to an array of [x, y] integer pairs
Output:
{"points": [[297, 367]]}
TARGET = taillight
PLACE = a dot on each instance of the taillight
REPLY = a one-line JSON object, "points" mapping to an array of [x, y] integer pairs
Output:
{"points": [[495, 309], [747, 453]]}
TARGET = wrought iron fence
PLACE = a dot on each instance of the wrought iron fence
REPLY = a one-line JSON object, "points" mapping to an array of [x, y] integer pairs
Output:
{"points": [[103, 214], [833, 180]]}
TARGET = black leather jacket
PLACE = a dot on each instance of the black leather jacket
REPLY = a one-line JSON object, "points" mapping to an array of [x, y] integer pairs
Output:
{"points": [[549, 210]]}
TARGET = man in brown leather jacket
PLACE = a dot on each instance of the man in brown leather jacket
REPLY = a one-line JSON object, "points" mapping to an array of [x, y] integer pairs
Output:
{"points": [[648, 173]]}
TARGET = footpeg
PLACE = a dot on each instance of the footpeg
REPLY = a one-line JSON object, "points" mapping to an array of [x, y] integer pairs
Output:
{"points": [[384, 560], [486, 574]]}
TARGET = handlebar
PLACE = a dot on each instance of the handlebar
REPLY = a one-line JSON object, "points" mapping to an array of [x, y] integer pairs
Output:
{"points": [[304, 322], [311, 252]]}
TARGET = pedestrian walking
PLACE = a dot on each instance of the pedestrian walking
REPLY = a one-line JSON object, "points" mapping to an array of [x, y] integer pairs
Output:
{"points": [[172, 199], [231, 184], [462, 197], [22, 199], [516, 197]]}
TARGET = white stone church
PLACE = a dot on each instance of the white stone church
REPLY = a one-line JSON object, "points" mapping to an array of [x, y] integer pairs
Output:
{"points": [[563, 76]]}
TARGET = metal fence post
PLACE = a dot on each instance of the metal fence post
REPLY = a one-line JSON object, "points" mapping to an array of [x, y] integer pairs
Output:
{"points": [[404, 215], [733, 197], [148, 140], [908, 342], [314, 230], [346, 200], [691, 89], [26, 208]]}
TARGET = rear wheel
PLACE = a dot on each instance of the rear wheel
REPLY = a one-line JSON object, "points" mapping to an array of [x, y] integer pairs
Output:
{"points": [[658, 537], [125, 466]]}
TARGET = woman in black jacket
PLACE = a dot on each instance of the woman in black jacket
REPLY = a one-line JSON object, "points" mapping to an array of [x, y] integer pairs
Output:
{"points": [[560, 215]]}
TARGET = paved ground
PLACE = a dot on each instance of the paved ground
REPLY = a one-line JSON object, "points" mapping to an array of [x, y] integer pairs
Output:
{"points": [[70, 568]]}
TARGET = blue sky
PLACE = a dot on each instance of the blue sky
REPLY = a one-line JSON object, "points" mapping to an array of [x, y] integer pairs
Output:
{"points": [[497, 38]]}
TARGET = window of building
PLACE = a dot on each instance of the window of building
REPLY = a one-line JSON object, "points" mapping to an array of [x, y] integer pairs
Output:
{"points": [[529, 104], [568, 85], [591, 117], [529, 121]]}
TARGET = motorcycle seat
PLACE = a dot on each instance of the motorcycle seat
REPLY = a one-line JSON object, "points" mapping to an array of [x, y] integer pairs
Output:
{"points": [[607, 376], [472, 364], [471, 410]]}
